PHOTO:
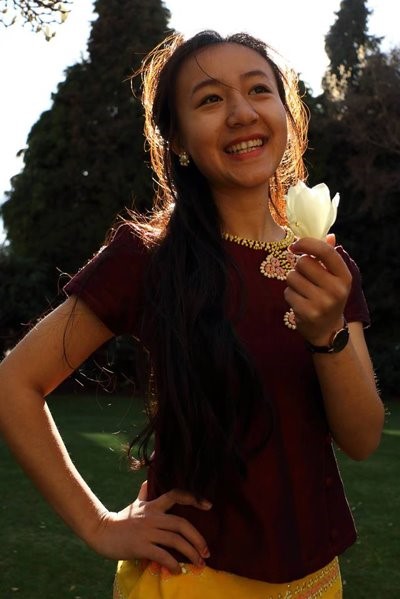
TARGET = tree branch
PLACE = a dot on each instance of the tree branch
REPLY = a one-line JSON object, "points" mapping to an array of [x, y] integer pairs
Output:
{"points": [[39, 14]]}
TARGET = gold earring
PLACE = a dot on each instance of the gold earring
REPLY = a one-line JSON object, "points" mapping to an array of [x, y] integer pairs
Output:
{"points": [[184, 159]]}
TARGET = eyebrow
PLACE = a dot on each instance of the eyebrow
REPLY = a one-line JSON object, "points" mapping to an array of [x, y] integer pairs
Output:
{"points": [[212, 81]]}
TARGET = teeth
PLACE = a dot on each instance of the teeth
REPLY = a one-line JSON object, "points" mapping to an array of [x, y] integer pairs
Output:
{"points": [[245, 146]]}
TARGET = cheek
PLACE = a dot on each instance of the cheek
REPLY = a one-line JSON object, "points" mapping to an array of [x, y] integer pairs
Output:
{"points": [[200, 134], [193, 138], [200, 144], [204, 164]]}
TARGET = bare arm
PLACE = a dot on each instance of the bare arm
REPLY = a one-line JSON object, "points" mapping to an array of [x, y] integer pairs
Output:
{"points": [[317, 291], [31, 371], [354, 410], [38, 364]]}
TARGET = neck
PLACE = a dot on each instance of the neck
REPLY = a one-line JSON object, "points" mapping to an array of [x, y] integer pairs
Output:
{"points": [[248, 216]]}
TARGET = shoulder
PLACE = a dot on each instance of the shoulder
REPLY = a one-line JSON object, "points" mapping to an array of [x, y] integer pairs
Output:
{"points": [[111, 283], [127, 237], [124, 249]]}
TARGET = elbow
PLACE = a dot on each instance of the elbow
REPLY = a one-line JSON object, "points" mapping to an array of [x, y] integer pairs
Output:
{"points": [[365, 447], [361, 454]]}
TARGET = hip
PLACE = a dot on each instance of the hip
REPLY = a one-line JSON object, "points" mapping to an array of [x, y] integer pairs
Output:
{"points": [[140, 579]]}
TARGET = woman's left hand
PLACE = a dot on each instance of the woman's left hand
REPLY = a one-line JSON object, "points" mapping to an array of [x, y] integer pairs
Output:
{"points": [[318, 288]]}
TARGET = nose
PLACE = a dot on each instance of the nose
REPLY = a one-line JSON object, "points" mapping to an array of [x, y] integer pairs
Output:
{"points": [[241, 112]]}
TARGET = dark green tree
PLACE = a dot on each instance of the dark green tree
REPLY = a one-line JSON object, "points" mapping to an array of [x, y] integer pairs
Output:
{"points": [[21, 296], [371, 213], [85, 158], [347, 45], [354, 148]]}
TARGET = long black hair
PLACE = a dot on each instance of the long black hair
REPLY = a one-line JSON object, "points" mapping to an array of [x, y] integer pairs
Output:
{"points": [[204, 387]]}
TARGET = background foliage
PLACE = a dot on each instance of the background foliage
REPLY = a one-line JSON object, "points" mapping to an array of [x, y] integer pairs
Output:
{"points": [[85, 162]]}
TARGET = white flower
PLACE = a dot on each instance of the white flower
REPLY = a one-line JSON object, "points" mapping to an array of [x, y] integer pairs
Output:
{"points": [[310, 211]]}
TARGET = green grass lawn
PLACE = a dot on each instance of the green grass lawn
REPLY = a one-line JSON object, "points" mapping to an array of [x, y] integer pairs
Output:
{"points": [[40, 558], [371, 568]]}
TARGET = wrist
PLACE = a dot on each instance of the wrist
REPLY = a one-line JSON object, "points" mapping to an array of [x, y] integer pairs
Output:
{"points": [[335, 343], [88, 516], [94, 529]]}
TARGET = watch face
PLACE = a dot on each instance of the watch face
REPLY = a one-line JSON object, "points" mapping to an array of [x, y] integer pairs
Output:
{"points": [[336, 345], [340, 340]]}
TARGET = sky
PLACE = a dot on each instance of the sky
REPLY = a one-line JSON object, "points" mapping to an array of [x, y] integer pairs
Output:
{"points": [[31, 67]]}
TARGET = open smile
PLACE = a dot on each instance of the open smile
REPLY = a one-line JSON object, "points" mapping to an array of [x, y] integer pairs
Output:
{"points": [[243, 147]]}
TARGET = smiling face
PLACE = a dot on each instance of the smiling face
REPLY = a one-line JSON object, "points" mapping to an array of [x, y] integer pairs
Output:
{"points": [[231, 119]]}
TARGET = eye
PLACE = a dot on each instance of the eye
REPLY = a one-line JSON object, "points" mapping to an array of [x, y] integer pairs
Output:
{"points": [[211, 99], [260, 89]]}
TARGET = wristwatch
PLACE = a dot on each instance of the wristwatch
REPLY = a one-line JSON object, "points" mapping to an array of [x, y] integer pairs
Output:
{"points": [[337, 342]]}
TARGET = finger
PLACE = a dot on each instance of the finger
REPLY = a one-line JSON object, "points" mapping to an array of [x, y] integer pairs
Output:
{"points": [[312, 270], [323, 252], [165, 559], [171, 523], [331, 239], [143, 491], [322, 312], [301, 284], [177, 542], [298, 303], [169, 499], [325, 284]]}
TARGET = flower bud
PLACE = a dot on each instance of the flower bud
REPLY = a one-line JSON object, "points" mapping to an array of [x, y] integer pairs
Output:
{"points": [[310, 211]]}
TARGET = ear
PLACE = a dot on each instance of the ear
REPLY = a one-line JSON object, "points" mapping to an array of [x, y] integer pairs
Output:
{"points": [[177, 146]]}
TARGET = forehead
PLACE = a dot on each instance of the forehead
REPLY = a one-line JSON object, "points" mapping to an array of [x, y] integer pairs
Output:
{"points": [[225, 62]]}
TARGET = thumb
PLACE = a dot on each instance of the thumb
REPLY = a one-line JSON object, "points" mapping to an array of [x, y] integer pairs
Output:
{"points": [[143, 492], [169, 499], [331, 239]]}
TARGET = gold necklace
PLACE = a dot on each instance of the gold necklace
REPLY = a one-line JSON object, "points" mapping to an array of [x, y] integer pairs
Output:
{"points": [[262, 245], [277, 263], [279, 259]]}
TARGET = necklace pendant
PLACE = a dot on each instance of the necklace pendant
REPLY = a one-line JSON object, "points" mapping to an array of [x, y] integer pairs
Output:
{"points": [[272, 268], [276, 265]]}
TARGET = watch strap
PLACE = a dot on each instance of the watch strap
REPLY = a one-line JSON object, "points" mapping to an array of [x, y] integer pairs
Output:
{"points": [[338, 341]]}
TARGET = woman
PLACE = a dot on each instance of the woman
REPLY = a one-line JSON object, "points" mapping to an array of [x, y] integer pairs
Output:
{"points": [[252, 375]]}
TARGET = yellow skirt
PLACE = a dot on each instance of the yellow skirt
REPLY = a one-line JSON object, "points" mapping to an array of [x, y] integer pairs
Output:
{"points": [[141, 579]]}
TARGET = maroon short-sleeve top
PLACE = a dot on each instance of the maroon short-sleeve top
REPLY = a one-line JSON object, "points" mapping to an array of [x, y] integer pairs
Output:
{"points": [[290, 516]]}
